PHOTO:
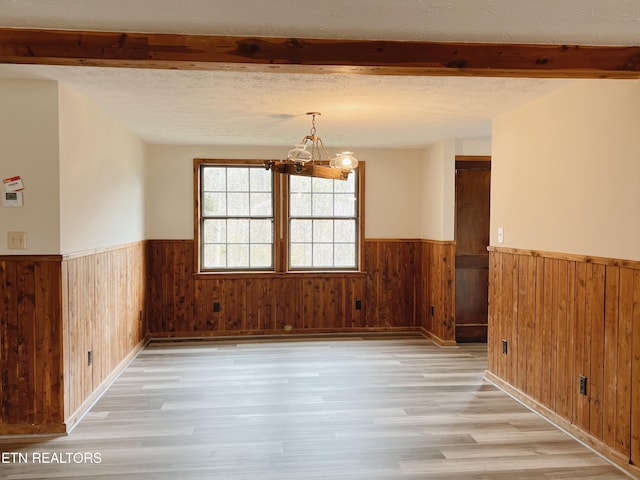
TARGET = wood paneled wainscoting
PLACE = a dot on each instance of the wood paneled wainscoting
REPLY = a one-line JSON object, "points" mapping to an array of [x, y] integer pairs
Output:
{"points": [[54, 310], [562, 317], [103, 313], [31, 390], [400, 282]]}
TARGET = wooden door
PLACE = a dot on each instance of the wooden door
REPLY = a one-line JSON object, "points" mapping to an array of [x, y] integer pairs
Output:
{"points": [[473, 183]]}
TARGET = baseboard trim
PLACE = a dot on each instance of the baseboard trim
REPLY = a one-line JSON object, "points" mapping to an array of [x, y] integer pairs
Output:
{"points": [[25, 430], [437, 340], [283, 333], [72, 421], [607, 453]]}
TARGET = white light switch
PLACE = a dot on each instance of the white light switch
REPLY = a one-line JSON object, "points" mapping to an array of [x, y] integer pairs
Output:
{"points": [[17, 240], [500, 235]]}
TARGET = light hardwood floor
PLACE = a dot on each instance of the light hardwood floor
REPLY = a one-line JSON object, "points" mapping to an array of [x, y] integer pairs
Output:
{"points": [[396, 408]]}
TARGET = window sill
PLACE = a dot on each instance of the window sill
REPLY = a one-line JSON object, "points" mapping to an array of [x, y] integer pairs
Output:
{"points": [[291, 274]]}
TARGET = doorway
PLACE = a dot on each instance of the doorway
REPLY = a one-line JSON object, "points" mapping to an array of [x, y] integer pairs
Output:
{"points": [[473, 189]]}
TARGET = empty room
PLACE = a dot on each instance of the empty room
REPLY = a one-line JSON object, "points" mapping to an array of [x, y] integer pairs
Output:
{"points": [[320, 240]]}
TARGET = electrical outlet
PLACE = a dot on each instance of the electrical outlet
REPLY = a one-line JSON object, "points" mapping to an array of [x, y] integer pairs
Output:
{"points": [[216, 307], [505, 347], [583, 384], [89, 358], [358, 304], [433, 310], [17, 240]]}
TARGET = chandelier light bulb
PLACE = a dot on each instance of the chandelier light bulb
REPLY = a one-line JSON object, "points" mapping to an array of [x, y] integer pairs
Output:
{"points": [[299, 154], [345, 161]]}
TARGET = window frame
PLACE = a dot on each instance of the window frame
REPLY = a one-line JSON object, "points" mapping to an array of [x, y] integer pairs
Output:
{"points": [[281, 222]]}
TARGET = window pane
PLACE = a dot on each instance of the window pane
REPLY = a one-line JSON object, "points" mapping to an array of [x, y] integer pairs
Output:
{"points": [[260, 204], [346, 186], [344, 205], [345, 231], [260, 179], [322, 184], [345, 255], [299, 184], [322, 255], [322, 205], [238, 255], [323, 231], [238, 231], [214, 204], [214, 179], [300, 230], [261, 255], [238, 204], [261, 231], [214, 256], [301, 255], [237, 179], [215, 231], [300, 205]]}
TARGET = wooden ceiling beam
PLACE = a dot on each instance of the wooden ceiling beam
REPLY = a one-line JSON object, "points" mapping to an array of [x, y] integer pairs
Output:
{"points": [[297, 55]]}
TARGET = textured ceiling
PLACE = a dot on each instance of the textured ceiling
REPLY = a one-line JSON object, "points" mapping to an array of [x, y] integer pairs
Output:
{"points": [[231, 108]]}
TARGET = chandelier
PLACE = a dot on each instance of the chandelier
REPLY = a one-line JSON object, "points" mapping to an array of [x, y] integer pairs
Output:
{"points": [[310, 158]]}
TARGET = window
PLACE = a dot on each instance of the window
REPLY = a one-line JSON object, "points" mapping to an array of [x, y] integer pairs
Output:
{"points": [[252, 219], [236, 217], [323, 223]]}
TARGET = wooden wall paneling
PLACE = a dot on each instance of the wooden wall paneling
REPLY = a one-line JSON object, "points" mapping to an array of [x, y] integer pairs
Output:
{"points": [[254, 305], [103, 299], [7, 309], [372, 266], [182, 293], [10, 344], [357, 290], [624, 361], [635, 372], [205, 296], [573, 316], [391, 293], [561, 375], [570, 380], [495, 363], [442, 289], [448, 280], [26, 343], [390, 298], [549, 332], [308, 303], [610, 367], [31, 387], [511, 263], [595, 306], [536, 361], [526, 329], [582, 364], [48, 329], [423, 309], [551, 376], [288, 307]]}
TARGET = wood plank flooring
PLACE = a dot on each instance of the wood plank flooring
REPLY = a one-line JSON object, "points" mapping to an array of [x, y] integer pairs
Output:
{"points": [[374, 408]]}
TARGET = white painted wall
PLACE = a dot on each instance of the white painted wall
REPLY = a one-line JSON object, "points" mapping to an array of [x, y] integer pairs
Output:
{"points": [[29, 148], [438, 191], [393, 188], [566, 171], [473, 146], [102, 180]]}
